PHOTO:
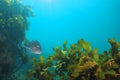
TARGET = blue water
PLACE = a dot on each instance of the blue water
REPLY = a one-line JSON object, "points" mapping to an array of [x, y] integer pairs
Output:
{"points": [[57, 20]]}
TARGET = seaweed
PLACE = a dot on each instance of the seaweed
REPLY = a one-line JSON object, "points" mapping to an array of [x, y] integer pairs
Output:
{"points": [[79, 62]]}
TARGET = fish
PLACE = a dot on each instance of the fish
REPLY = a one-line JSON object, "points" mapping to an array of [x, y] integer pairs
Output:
{"points": [[33, 47]]}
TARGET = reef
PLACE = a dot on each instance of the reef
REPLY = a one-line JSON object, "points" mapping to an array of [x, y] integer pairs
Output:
{"points": [[13, 24], [78, 62]]}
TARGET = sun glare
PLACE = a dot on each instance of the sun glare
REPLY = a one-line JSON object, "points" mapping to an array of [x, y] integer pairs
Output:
{"points": [[47, 1]]}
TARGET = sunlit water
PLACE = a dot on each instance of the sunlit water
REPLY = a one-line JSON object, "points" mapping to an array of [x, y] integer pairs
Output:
{"points": [[57, 20]]}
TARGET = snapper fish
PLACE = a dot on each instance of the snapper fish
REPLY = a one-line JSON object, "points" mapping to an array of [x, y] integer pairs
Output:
{"points": [[33, 47]]}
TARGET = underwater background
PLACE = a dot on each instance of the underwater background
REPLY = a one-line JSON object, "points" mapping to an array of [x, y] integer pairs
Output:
{"points": [[57, 20], [79, 39]]}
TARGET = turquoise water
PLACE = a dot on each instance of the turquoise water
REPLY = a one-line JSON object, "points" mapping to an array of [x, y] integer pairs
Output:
{"points": [[57, 20]]}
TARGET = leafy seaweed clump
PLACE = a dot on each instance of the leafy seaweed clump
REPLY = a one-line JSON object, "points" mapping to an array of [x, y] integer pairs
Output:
{"points": [[13, 24], [78, 62]]}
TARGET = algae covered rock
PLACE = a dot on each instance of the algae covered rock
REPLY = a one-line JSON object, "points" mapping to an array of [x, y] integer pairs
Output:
{"points": [[13, 24]]}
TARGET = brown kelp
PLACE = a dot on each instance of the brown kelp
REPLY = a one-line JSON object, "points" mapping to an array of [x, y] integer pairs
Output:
{"points": [[13, 24], [78, 62]]}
